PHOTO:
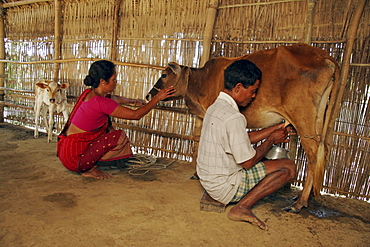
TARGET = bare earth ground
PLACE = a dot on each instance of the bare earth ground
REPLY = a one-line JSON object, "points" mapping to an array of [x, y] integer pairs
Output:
{"points": [[42, 204]]}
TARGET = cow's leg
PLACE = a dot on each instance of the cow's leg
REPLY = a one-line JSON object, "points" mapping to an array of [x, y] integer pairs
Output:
{"points": [[310, 145], [37, 116], [51, 122], [44, 110], [65, 117]]}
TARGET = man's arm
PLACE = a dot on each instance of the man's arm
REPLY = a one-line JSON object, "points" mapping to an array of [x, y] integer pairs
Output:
{"points": [[259, 135], [277, 136]]}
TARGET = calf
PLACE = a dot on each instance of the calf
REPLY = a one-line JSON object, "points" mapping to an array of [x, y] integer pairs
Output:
{"points": [[53, 95]]}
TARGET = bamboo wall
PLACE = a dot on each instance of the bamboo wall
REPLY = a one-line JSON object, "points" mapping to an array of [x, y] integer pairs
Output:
{"points": [[46, 39]]}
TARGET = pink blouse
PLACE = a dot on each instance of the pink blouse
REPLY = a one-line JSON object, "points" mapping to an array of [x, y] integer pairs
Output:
{"points": [[93, 113]]}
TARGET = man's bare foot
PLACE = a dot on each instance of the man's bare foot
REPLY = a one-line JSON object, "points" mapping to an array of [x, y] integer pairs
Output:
{"points": [[95, 173], [247, 215]]}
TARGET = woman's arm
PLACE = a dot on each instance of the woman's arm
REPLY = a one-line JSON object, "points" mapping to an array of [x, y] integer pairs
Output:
{"points": [[127, 101], [136, 114]]}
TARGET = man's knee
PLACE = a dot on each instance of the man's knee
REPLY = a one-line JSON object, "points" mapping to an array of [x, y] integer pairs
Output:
{"points": [[291, 168], [286, 165]]}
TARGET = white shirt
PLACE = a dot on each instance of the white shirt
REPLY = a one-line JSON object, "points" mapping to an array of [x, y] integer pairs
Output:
{"points": [[224, 143]]}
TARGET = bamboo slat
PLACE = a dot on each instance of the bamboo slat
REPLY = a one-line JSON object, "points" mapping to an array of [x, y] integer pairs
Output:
{"points": [[2, 65], [346, 64], [58, 37], [25, 2]]}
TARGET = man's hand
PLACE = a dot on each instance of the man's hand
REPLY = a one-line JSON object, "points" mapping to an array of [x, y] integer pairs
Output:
{"points": [[279, 135]]}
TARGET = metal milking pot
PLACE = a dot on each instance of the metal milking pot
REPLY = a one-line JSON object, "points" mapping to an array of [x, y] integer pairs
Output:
{"points": [[276, 152]]}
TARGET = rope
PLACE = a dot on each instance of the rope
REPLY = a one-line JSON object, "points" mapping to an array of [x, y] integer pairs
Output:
{"points": [[141, 164]]}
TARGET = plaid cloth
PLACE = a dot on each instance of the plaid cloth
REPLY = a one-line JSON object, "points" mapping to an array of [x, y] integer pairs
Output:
{"points": [[250, 178]]}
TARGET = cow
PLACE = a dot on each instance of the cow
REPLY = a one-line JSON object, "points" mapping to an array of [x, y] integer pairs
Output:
{"points": [[49, 96], [299, 85]]}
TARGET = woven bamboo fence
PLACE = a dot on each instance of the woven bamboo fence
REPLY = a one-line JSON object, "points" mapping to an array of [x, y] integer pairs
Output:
{"points": [[59, 39]]}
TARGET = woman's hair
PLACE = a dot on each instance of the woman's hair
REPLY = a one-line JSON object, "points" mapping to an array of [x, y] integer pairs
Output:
{"points": [[102, 69], [241, 71]]}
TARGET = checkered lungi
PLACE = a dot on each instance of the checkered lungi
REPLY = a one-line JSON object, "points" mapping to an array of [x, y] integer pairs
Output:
{"points": [[250, 178]]}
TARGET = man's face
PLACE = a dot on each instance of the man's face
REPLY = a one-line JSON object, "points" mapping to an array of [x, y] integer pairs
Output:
{"points": [[243, 96]]}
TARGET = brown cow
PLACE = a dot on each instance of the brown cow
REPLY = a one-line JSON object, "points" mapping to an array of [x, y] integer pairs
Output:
{"points": [[297, 83]]}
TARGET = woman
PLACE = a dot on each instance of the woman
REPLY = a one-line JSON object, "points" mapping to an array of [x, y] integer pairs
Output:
{"points": [[88, 138]]}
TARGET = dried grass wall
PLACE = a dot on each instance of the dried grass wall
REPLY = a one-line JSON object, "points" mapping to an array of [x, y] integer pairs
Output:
{"points": [[141, 37]]}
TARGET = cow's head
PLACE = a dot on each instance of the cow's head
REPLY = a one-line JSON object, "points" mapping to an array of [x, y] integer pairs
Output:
{"points": [[52, 92], [174, 75]]}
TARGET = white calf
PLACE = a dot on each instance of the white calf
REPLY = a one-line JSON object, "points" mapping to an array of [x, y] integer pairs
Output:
{"points": [[53, 95]]}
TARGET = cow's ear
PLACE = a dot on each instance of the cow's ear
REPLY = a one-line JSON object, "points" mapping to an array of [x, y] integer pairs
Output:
{"points": [[175, 68], [41, 84], [64, 85]]}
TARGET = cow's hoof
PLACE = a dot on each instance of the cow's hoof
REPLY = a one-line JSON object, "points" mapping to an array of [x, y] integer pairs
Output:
{"points": [[292, 209], [195, 176], [296, 207]]}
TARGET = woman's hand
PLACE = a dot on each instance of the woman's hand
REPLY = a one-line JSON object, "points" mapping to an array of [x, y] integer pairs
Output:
{"points": [[166, 93]]}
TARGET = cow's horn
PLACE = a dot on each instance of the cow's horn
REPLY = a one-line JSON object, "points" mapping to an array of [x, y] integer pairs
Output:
{"points": [[175, 68]]}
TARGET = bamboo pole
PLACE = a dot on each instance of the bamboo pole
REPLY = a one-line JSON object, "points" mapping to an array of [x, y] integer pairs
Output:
{"points": [[17, 90], [351, 35], [117, 6], [293, 142], [2, 64], [258, 4], [57, 36], [25, 2], [140, 65], [207, 38], [208, 31], [309, 21], [156, 132]]}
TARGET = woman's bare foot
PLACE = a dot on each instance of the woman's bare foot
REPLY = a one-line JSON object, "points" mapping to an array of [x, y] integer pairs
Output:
{"points": [[95, 173], [247, 215]]}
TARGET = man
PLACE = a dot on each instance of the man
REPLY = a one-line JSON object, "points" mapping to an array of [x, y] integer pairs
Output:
{"points": [[228, 166]]}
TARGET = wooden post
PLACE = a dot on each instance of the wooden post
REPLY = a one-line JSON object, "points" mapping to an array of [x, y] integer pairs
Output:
{"points": [[2, 64], [208, 31], [207, 38], [351, 35], [293, 143], [309, 21], [57, 38], [117, 6]]}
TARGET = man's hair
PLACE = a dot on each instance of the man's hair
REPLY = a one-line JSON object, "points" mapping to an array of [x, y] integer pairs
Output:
{"points": [[241, 71]]}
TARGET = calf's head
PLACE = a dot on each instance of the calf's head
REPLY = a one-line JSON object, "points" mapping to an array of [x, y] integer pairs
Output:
{"points": [[174, 75], [51, 92]]}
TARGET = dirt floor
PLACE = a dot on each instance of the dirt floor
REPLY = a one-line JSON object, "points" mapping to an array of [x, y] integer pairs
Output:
{"points": [[42, 204]]}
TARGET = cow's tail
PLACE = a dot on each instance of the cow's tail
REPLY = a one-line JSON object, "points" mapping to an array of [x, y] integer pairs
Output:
{"points": [[327, 103]]}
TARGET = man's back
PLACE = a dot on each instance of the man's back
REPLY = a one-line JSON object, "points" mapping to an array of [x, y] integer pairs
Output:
{"points": [[224, 142]]}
